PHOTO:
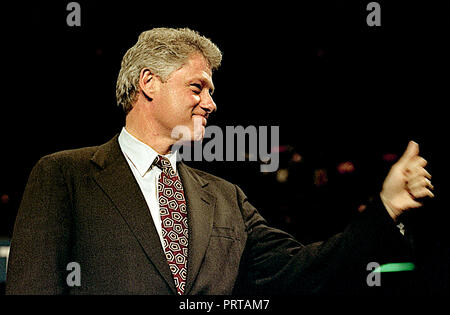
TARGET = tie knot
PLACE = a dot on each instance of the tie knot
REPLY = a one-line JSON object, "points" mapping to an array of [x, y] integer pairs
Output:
{"points": [[164, 165]]}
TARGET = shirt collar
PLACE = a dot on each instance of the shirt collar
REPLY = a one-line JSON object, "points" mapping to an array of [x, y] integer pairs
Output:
{"points": [[141, 154]]}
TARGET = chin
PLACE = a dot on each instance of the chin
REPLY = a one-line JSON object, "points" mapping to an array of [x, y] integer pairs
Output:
{"points": [[198, 128], [198, 133]]}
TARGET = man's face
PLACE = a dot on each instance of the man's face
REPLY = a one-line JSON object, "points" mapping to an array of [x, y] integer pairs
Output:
{"points": [[184, 100]]}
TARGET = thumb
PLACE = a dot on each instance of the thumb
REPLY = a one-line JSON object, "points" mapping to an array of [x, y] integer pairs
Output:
{"points": [[411, 151]]}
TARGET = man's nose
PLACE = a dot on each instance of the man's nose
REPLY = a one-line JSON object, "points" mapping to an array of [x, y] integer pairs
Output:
{"points": [[207, 104]]}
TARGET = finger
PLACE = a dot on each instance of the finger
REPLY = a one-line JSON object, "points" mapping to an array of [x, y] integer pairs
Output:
{"points": [[417, 162], [421, 193], [414, 204], [423, 172], [412, 167], [420, 172], [411, 151], [419, 182]]}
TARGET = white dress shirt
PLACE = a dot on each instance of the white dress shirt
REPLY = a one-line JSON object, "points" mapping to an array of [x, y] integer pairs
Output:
{"points": [[140, 158]]}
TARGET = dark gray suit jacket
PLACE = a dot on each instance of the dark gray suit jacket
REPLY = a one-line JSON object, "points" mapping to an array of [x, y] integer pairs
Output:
{"points": [[85, 206]]}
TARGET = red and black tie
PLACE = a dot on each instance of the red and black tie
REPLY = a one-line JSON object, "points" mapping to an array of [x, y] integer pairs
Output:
{"points": [[172, 207]]}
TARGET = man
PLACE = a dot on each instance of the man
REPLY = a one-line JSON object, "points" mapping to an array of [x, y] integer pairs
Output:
{"points": [[137, 222]]}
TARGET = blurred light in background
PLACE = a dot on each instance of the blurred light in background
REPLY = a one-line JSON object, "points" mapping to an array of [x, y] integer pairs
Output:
{"points": [[4, 254], [361, 208], [5, 198], [346, 167], [296, 158], [282, 175], [281, 148], [320, 177], [389, 157], [396, 267]]}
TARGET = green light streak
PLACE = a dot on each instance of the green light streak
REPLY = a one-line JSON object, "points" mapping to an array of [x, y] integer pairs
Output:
{"points": [[396, 267]]}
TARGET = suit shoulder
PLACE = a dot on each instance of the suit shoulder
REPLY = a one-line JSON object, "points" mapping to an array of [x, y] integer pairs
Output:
{"points": [[63, 163], [67, 159], [79, 154]]}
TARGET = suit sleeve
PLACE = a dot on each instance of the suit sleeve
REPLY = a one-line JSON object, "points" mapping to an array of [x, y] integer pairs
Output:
{"points": [[275, 263], [40, 242]]}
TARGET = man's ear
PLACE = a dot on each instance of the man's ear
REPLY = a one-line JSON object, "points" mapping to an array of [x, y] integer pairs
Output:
{"points": [[147, 83]]}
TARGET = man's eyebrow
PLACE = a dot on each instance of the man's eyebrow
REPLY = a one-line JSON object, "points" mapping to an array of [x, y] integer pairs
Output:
{"points": [[206, 82]]}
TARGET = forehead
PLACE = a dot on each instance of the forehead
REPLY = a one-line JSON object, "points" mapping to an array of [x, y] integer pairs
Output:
{"points": [[196, 68], [198, 63]]}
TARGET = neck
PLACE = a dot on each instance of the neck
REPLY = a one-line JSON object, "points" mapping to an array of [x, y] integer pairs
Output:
{"points": [[144, 130]]}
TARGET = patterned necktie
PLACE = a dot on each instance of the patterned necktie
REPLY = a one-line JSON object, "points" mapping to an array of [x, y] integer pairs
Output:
{"points": [[172, 207]]}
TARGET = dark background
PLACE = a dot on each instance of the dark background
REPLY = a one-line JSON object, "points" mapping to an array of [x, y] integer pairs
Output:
{"points": [[340, 91]]}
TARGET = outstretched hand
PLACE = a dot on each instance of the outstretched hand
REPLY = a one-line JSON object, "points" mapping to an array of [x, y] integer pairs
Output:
{"points": [[406, 182]]}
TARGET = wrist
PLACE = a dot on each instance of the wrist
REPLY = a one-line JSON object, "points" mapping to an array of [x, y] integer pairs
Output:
{"points": [[389, 207]]}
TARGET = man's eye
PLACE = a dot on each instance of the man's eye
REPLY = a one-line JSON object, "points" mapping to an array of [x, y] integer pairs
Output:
{"points": [[197, 89]]}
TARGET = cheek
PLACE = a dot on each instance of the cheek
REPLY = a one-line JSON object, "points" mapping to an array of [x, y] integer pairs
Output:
{"points": [[178, 106], [183, 100], [195, 99]]}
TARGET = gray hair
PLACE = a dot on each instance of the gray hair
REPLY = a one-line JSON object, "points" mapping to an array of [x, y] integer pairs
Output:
{"points": [[162, 50]]}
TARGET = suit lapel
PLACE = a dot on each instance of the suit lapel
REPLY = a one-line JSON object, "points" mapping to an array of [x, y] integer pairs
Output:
{"points": [[117, 181], [200, 205]]}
